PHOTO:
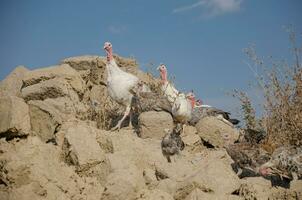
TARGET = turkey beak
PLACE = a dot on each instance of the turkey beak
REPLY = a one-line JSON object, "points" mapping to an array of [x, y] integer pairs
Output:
{"points": [[158, 68], [106, 46]]}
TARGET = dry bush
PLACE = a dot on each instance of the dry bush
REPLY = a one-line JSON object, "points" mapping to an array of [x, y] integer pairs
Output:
{"points": [[104, 111], [281, 84], [247, 109], [108, 114], [283, 106]]}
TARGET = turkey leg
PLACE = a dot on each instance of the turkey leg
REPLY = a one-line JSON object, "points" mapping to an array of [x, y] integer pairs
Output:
{"points": [[130, 119], [127, 112]]}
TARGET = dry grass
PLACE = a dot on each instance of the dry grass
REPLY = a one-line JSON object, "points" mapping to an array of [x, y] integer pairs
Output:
{"points": [[281, 84], [108, 114], [247, 109]]}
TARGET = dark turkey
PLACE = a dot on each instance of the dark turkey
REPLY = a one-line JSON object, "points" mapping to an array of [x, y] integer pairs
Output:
{"points": [[200, 112], [172, 143], [285, 162], [247, 158]]}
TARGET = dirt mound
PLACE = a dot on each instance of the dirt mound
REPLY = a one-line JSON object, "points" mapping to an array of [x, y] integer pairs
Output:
{"points": [[55, 143]]}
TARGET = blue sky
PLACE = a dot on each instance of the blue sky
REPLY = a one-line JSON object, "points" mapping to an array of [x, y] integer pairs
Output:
{"points": [[200, 41]]}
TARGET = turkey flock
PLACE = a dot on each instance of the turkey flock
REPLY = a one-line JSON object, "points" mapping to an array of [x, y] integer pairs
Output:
{"points": [[123, 87], [127, 90]]}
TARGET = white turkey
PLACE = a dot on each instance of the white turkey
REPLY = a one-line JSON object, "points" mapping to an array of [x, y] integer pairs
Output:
{"points": [[119, 85], [182, 108], [181, 105], [168, 89]]}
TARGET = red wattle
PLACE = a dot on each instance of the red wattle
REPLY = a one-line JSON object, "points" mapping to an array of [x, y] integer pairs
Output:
{"points": [[192, 102], [163, 76], [109, 55]]}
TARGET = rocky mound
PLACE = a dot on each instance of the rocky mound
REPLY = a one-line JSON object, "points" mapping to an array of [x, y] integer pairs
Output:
{"points": [[55, 143]]}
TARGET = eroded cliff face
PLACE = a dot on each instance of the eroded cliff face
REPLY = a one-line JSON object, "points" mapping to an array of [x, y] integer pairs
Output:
{"points": [[55, 143]]}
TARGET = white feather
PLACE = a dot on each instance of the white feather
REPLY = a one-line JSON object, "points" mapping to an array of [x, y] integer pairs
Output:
{"points": [[170, 92], [182, 109], [203, 106], [119, 83]]}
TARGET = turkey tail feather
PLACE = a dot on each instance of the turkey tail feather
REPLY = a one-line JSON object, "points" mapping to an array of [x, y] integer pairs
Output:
{"points": [[234, 121]]}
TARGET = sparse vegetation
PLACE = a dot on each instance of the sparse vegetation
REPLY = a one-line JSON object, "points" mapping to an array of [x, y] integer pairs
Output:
{"points": [[108, 113], [281, 84], [247, 109]]}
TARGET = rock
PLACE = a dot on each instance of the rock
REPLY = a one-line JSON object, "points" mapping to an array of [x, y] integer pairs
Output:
{"points": [[143, 152], [49, 114], [149, 176], [65, 107], [146, 154], [81, 150], [58, 94], [216, 170], [184, 189], [260, 188], [27, 192], [60, 72], [97, 66], [69, 108], [189, 130], [104, 141], [33, 170], [296, 185], [14, 115], [254, 188], [153, 123], [153, 194], [162, 173], [5, 146], [198, 194], [280, 194], [168, 185], [216, 132], [213, 170], [4, 194], [12, 84], [85, 75], [192, 140], [52, 88], [83, 62], [123, 184], [97, 93], [92, 189], [45, 120], [283, 194], [119, 161]]}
